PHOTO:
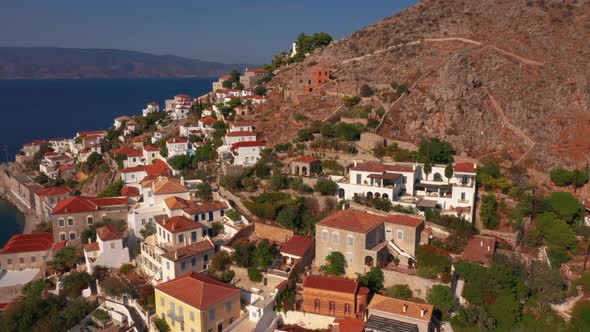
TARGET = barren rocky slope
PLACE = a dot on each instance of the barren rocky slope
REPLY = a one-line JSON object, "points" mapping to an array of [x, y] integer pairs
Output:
{"points": [[506, 78]]}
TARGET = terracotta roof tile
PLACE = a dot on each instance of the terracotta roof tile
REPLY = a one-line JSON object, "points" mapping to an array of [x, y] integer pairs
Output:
{"points": [[396, 307], [129, 191], [306, 159], [405, 220], [247, 144], [92, 246], [129, 152], [79, 204], [54, 191], [371, 166], [176, 140], [109, 232], [353, 221], [297, 245], [168, 185], [28, 242], [479, 249], [465, 168], [334, 284], [190, 250], [208, 120], [179, 224], [197, 290]]}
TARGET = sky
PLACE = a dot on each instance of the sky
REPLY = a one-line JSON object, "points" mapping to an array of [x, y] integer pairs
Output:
{"points": [[227, 31]]}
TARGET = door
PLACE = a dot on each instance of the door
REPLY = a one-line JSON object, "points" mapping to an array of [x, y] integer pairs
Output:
{"points": [[211, 216], [220, 327]]}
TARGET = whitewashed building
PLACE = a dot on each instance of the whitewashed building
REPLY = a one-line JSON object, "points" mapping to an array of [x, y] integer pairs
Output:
{"points": [[247, 153], [150, 108], [177, 146], [109, 250]]}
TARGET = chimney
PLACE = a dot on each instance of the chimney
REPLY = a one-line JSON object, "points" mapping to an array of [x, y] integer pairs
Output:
{"points": [[404, 308], [422, 312]]}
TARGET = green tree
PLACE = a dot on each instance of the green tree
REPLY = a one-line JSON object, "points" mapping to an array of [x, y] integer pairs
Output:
{"points": [[326, 187], [366, 91], [373, 279], [148, 229], [402, 292], [234, 215], [489, 211], [432, 262], [74, 283], [449, 171], [216, 228], [546, 283], [264, 254], [580, 178], [561, 176], [351, 101], [260, 90], [435, 151], [164, 151], [427, 169], [442, 298], [566, 206], [64, 259], [113, 189], [254, 274], [115, 286], [242, 255], [204, 191], [335, 264], [161, 325]]}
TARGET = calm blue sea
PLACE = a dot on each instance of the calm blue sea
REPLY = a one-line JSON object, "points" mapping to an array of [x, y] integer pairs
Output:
{"points": [[11, 221], [38, 109]]}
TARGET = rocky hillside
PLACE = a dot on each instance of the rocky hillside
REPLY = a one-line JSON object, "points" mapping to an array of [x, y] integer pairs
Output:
{"points": [[505, 78]]}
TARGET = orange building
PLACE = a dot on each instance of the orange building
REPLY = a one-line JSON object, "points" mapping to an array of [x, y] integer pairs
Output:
{"points": [[316, 77], [336, 297]]}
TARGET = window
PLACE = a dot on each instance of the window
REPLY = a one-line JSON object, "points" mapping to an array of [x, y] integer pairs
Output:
{"points": [[221, 213], [9, 261], [62, 236], [350, 240], [400, 235], [182, 266], [72, 236], [211, 314], [228, 307], [113, 245], [167, 265], [70, 221], [358, 179], [143, 221], [61, 222], [316, 304], [193, 261], [347, 308], [193, 237], [203, 216], [335, 237], [21, 260], [349, 257], [181, 238], [332, 306], [192, 316], [162, 301], [325, 236], [462, 196], [89, 220]]}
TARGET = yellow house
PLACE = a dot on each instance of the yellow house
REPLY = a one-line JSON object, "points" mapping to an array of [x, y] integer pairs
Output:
{"points": [[195, 302]]}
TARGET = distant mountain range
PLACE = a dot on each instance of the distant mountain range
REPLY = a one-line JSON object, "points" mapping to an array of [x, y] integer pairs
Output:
{"points": [[55, 62]]}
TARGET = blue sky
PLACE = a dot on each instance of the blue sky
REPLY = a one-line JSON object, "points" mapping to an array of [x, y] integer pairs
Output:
{"points": [[226, 31]]}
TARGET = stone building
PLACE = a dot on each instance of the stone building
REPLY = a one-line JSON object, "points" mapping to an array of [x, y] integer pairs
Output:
{"points": [[306, 166], [332, 296]]}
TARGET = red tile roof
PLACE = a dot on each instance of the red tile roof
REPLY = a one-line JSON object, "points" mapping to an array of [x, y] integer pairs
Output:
{"points": [[190, 250], [255, 97], [241, 124], [28, 242], [130, 152], [79, 204], [59, 245], [122, 118], [465, 168], [349, 325], [197, 290], [129, 191], [371, 166], [50, 153], [207, 207], [257, 70], [92, 246], [353, 221], [159, 167], [208, 120], [247, 144], [179, 224], [405, 220], [92, 133], [306, 159], [54, 191], [176, 140], [183, 96], [240, 133], [297, 245], [333, 284], [151, 148], [479, 249], [395, 306], [109, 232]]}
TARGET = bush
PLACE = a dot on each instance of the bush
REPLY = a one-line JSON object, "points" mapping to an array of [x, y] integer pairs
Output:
{"points": [[442, 298], [234, 215], [254, 274], [335, 264], [162, 326], [326, 187], [101, 314], [489, 213], [113, 189], [435, 151], [126, 268], [351, 101], [216, 228], [432, 262], [402, 292], [366, 91], [561, 176]]}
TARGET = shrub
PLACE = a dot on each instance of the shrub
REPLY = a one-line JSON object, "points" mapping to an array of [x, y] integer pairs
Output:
{"points": [[335, 264], [432, 262], [489, 214], [126, 268], [216, 228], [161, 324], [234, 215], [326, 187], [101, 314], [402, 292], [254, 274], [561, 176], [366, 91], [351, 101]]}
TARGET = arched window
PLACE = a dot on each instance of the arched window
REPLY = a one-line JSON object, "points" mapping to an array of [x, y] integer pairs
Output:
{"points": [[62, 236], [70, 221], [369, 194], [332, 306], [340, 193], [347, 308], [316, 304], [72, 235], [437, 177], [61, 222], [385, 196]]}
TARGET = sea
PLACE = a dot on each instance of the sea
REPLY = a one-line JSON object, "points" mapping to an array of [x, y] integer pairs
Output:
{"points": [[42, 109]]}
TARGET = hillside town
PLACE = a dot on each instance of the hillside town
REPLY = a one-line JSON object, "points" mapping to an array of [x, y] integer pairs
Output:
{"points": [[182, 217]]}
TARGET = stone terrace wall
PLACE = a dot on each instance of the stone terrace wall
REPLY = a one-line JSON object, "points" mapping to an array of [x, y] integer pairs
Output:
{"points": [[272, 233], [419, 286]]}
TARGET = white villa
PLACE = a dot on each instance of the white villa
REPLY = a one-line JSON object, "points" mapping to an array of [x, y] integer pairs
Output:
{"points": [[177, 147], [110, 249], [407, 184], [152, 107]]}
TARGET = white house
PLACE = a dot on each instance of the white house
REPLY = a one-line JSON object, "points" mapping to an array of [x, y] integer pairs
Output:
{"points": [[152, 107], [120, 120], [247, 153], [60, 145], [133, 175], [177, 146], [240, 126], [51, 162], [150, 154], [408, 184], [110, 249], [233, 137], [158, 135], [256, 99]]}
